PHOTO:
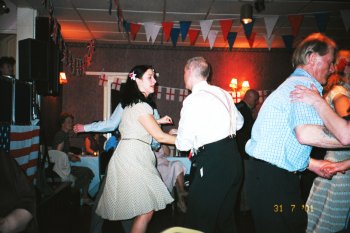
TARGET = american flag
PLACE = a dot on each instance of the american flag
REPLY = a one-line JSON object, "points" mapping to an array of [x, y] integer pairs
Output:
{"points": [[23, 144]]}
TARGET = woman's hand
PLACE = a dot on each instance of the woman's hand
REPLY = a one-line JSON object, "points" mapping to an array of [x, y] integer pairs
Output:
{"points": [[306, 95], [78, 128], [165, 120]]}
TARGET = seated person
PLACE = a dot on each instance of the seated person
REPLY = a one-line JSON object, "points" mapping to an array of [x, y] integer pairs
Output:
{"points": [[94, 144], [61, 142], [172, 173], [7, 66], [17, 198], [113, 141]]}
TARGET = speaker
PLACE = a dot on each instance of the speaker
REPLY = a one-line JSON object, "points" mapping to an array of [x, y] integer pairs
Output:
{"points": [[23, 103], [32, 55], [6, 90], [15, 101], [50, 86]]}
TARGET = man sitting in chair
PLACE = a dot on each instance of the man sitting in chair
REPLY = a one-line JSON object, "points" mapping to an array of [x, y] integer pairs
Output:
{"points": [[83, 175]]}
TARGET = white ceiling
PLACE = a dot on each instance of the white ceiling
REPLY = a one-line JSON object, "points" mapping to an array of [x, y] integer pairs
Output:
{"points": [[83, 20]]}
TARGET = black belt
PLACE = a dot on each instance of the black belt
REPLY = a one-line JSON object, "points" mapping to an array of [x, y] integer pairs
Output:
{"points": [[262, 161], [201, 149]]}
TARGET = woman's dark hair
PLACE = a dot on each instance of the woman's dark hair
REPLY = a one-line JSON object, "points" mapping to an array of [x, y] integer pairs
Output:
{"points": [[131, 94]]}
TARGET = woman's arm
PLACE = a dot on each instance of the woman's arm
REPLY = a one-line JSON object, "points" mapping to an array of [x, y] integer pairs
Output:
{"points": [[336, 125], [88, 149], [152, 127]]}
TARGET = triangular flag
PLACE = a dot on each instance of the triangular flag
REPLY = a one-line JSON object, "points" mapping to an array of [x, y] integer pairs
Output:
{"points": [[174, 35], [270, 23], [231, 37], [212, 37], [269, 41], [226, 25], [288, 41], [134, 28], [167, 26], [345, 14], [295, 22], [184, 26], [126, 26], [151, 30], [205, 27], [251, 39], [193, 34], [322, 21], [248, 28]]}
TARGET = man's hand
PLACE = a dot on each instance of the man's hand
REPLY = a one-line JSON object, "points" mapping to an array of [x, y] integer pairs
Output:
{"points": [[306, 95], [78, 128], [316, 166]]}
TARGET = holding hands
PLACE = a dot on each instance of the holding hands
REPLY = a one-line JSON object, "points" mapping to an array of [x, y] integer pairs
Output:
{"points": [[336, 167]]}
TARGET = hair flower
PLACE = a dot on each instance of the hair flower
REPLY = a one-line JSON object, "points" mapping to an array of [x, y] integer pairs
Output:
{"points": [[132, 76]]}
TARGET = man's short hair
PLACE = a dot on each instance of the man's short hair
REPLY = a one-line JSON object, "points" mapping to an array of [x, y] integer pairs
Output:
{"points": [[199, 65], [314, 43], [7, 60], [64, 116]]}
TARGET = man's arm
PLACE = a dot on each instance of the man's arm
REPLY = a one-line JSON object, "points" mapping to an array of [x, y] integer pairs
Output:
{"points": [[317, 135], [102, 126]]}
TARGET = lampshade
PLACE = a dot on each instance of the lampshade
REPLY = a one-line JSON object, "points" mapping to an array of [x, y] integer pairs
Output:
{"points": [[63, 78], [233, 83], [246, 13]]}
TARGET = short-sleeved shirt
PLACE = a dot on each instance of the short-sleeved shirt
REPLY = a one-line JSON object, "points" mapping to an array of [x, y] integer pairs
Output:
{"points": [[273, 135], [60, 137]]}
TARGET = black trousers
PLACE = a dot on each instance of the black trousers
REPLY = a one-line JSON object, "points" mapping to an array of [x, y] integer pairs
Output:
{"points": [[215, 188], [275, 199]]}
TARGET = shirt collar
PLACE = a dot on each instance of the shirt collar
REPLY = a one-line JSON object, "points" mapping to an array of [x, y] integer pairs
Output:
{"points": [[200, 86], [304, 73]]}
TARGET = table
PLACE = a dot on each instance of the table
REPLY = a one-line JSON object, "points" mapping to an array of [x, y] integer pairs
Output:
{"points": [[184, 160], [92, 163]]}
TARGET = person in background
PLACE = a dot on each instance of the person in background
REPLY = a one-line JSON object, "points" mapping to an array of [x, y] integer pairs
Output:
{"points": [[330, 199], [94, 143], [134, 188], [246, 107], [61, 142], [7, 66], [173, 173], [17, 198], [278, 146], [208, 124], [113, 141]]}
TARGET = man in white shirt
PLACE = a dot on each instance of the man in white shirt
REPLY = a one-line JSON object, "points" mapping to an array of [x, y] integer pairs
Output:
{"points": [[208, 124]]}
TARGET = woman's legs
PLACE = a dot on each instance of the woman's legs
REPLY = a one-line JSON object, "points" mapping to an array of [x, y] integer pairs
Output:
{"points": [[181, 192], [141, 222]]}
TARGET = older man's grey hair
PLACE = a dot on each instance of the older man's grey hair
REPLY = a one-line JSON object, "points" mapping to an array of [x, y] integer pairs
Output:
{"points": [[199, 66]]}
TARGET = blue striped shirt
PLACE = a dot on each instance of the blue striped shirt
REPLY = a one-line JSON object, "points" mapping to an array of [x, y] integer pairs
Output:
{"points": [[273, 135]]}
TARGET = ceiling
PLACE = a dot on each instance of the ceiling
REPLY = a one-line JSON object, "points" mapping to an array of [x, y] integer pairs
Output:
{"points": [[83, 20]]}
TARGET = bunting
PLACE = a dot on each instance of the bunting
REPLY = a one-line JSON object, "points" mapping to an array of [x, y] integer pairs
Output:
{"points": [[226, 25], [170, 93], [231, 37], [152, 31], [134, 29], [174, 35], [193, 34], [212, 37], [269, 41], [288, 41], [205, 27], [251, 39], [270, 23], [167, 28], [295, 22], [184, 26], [102, 80], [322, 21], [183, 93], [116, 84], [248, 28]]}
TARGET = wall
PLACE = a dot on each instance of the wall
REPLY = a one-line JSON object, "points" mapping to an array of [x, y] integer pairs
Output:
{"points": [[83, 97]]}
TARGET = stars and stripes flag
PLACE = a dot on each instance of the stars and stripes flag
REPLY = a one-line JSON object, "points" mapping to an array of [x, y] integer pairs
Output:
{"points": [[22, 142]]}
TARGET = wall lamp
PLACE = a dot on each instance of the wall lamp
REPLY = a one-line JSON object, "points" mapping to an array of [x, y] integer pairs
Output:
{"points": [[236, 92], [246, 13], [63, 78]]}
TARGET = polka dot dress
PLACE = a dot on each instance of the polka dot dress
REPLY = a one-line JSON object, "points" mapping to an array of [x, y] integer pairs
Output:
{"points": [[133, 184]]}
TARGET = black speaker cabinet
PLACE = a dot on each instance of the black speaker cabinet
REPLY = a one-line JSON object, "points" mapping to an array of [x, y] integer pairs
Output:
{"points": [[6, 90], [51, 86], [32, 60], [15, 101]]}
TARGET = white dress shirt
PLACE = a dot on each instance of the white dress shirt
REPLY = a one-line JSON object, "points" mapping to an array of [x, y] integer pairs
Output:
{"points": [[205, 117]]}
